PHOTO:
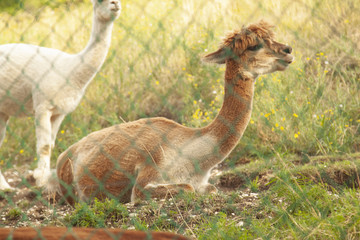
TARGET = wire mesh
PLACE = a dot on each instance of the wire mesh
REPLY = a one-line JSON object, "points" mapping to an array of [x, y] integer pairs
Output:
{"points": [[293, 173]]}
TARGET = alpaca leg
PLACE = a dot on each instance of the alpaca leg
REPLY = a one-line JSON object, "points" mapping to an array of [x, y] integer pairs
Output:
{"points": [[163, 190], [160, 191], [3, 184], [3, 122], [55, 125], [144, 189], [43, 146], [208, 188]]}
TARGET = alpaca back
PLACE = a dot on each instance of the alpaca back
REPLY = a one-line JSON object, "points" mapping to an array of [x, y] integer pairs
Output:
{"points": [[115, 155], [32, 75]]}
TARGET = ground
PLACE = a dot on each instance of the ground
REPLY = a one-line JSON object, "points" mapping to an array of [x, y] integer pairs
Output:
{"points": [[256, 199], [28, 206]]}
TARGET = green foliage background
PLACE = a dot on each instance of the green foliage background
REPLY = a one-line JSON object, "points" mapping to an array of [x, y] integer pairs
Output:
{"points": [[305, 120]]}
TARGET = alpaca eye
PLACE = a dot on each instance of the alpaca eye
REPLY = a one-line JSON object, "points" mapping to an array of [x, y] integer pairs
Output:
{"points": [[254, 48]]}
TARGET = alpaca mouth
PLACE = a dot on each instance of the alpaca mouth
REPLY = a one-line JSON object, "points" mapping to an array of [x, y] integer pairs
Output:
{"points": [[289, 58], [286, 61], [115, 7]]}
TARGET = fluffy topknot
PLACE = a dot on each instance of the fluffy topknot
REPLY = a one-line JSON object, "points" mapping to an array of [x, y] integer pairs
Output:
{"points": [[238, 41]]}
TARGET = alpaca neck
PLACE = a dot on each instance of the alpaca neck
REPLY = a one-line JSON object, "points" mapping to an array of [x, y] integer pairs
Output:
{"points": [[233, 118], [93, 56]]}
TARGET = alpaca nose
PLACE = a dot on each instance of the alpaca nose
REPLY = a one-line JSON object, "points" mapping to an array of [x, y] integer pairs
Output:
{"points": [[116, 3], [287, 50]]}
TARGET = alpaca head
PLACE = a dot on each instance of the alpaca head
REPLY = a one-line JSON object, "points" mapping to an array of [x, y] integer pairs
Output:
{"points": [[107, 10], [254, 49]]}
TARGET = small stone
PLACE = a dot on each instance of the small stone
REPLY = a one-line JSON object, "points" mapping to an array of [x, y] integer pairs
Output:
{"points": [[240, 224]]}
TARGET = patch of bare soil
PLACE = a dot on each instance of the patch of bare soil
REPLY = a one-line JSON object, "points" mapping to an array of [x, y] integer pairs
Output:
{"points": [[27, 205], [229, 181]]}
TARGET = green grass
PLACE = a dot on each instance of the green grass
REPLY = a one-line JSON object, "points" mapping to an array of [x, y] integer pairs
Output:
{"points": [[303, 139], [14, 214], [285, 211], [96, 215]]}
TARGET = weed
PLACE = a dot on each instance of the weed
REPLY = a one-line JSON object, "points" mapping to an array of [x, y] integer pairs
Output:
{"points": [[13, 214], [97, 214], [220, 227], [24, 204], [254, 184]]}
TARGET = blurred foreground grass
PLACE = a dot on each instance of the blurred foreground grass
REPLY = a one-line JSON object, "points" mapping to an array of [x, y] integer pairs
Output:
{"points": [[154, 68]]}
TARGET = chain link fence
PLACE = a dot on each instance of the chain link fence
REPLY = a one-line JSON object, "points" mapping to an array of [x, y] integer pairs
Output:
{"points": [[293, 174]]}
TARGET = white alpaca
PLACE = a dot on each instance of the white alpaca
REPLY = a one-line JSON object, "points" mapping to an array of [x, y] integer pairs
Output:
{"points": [[49, 83]]}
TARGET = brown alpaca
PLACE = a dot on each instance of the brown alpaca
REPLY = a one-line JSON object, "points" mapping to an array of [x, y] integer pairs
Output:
{"points": [[156, 156], [57, 233]]}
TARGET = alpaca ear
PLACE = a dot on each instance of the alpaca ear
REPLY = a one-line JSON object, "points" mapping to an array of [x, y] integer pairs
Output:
{"points": [[219, 57]]}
